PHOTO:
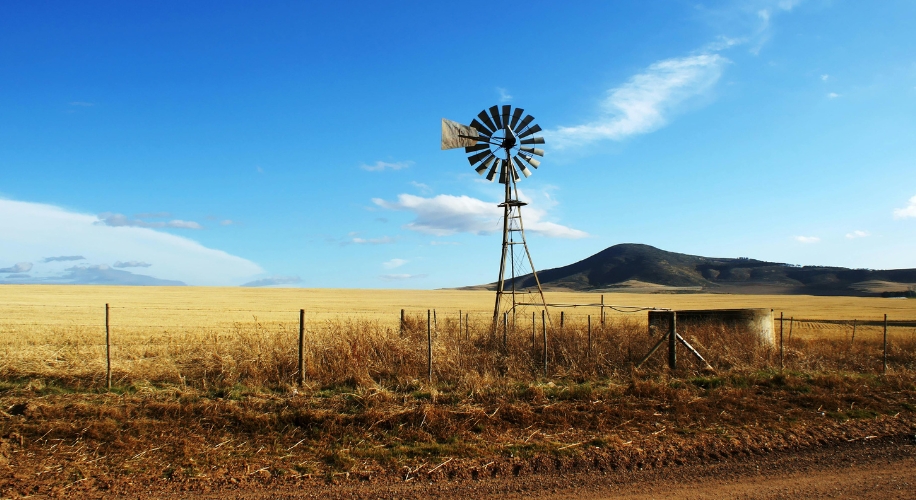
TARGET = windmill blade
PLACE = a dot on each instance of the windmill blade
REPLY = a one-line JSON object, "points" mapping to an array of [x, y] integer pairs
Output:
{"points": [[521, 166], [494, 112], [515, 116], [534, 151], [533, 130], [477, 147], [531, 161], [478, 157], [492, 172], [524, 123], [487, 121], [482, 130], [507, 109], [456, 135], [533, 140], [485, 165]]}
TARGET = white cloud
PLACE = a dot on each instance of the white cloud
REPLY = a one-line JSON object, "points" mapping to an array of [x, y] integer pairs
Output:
{"points": [[647, 101], [226, 222], [807, 239], [393, 263], [397, 277], [832, 95], [32, 230], [825, 77], [383, 165], [422, 187], [857, 234], [908, 211], [131, 263], [383, 240], [504, 96], [63, 258], [19, 267], [444, 214], [120, 220]]}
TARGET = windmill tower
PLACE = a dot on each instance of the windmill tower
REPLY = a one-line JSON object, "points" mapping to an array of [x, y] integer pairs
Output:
{"points": [[501, 144]]}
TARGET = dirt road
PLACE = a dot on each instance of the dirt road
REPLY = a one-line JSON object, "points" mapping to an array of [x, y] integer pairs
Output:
{"points": [[875, 468]]}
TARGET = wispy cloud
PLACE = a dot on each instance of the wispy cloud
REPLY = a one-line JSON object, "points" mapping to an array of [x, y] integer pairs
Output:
{"points": [[120, 220], [382, 240], [32, 231], [647, 101], [825, 77], [857, 234], [63, 258], [21, 267], [393, 263], [399, 277], [384, 165], [908, 211], [226, 222], [443, 215], [504, 95], [832, 95], [807, 239], [276, 280], [131, 263], [422, 187], [153, 215]]}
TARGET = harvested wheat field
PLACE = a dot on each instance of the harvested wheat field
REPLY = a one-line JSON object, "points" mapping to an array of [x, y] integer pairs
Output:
{"points": [[205, 400]]}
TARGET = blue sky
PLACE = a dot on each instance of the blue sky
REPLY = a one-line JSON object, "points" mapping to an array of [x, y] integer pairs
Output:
{"points": [[297, 143]]}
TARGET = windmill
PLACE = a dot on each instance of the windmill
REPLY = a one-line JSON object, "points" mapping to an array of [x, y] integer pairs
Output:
{"points": [[501, 143]]}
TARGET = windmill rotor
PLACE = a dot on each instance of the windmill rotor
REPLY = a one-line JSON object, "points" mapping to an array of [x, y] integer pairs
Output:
{"points": [[497, 141]]}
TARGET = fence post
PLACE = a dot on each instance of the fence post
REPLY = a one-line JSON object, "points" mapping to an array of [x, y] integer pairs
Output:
{"points": [[467, 326], [429, 347], [791, 324], [533, 330], [602, 310], [506, 331], [301, 377], [588, 351], [435, 323], [853, 339], [544, 332], [672, 343], [107, 348], [782, 350], [885, 343], [401, 331], [459, 325], [562, 319]]}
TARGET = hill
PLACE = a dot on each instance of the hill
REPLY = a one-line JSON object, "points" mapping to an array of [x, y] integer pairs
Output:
{"points": [[643, 268]]}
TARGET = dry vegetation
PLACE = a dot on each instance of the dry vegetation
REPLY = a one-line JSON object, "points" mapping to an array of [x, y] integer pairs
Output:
{"points": [[204, 387]]}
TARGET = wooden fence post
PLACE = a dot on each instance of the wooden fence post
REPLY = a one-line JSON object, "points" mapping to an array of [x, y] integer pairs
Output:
{"points": [[402, 322], [602, 310], [533, 330], [672, 343], [429, 347], [301, 377], [791, 324], [562, 319], [853, 339], [435, 323], [885, 343], [506, 331], [107, 348], [782, 350], [588, 351], [544, 332], [459, 325], [467, 326]]}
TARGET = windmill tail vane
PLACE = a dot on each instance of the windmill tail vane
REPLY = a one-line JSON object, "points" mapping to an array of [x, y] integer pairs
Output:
{"points": [[500, 144]]}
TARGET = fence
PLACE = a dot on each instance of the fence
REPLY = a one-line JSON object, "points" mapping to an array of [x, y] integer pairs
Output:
{"points": [[217, 348]]}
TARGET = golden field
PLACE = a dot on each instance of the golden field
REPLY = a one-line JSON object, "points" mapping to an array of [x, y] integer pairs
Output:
{"points": [[225, 336]]}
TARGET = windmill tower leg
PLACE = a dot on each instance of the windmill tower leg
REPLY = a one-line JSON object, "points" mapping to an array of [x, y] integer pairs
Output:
{"points": [[501, 283]]}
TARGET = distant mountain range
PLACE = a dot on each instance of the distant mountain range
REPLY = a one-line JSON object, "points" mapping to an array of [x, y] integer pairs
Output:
{"points": [[642, 268]]}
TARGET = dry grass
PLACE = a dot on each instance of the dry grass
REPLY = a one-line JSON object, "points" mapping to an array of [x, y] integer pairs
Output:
{"points": [[205, 387]]}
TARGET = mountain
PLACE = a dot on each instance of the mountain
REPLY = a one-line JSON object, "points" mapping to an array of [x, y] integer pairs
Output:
{"points": [[643, 268]]}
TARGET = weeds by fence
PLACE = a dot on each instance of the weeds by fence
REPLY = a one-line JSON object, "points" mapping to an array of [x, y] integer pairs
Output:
{"points": [[462, 350]]}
